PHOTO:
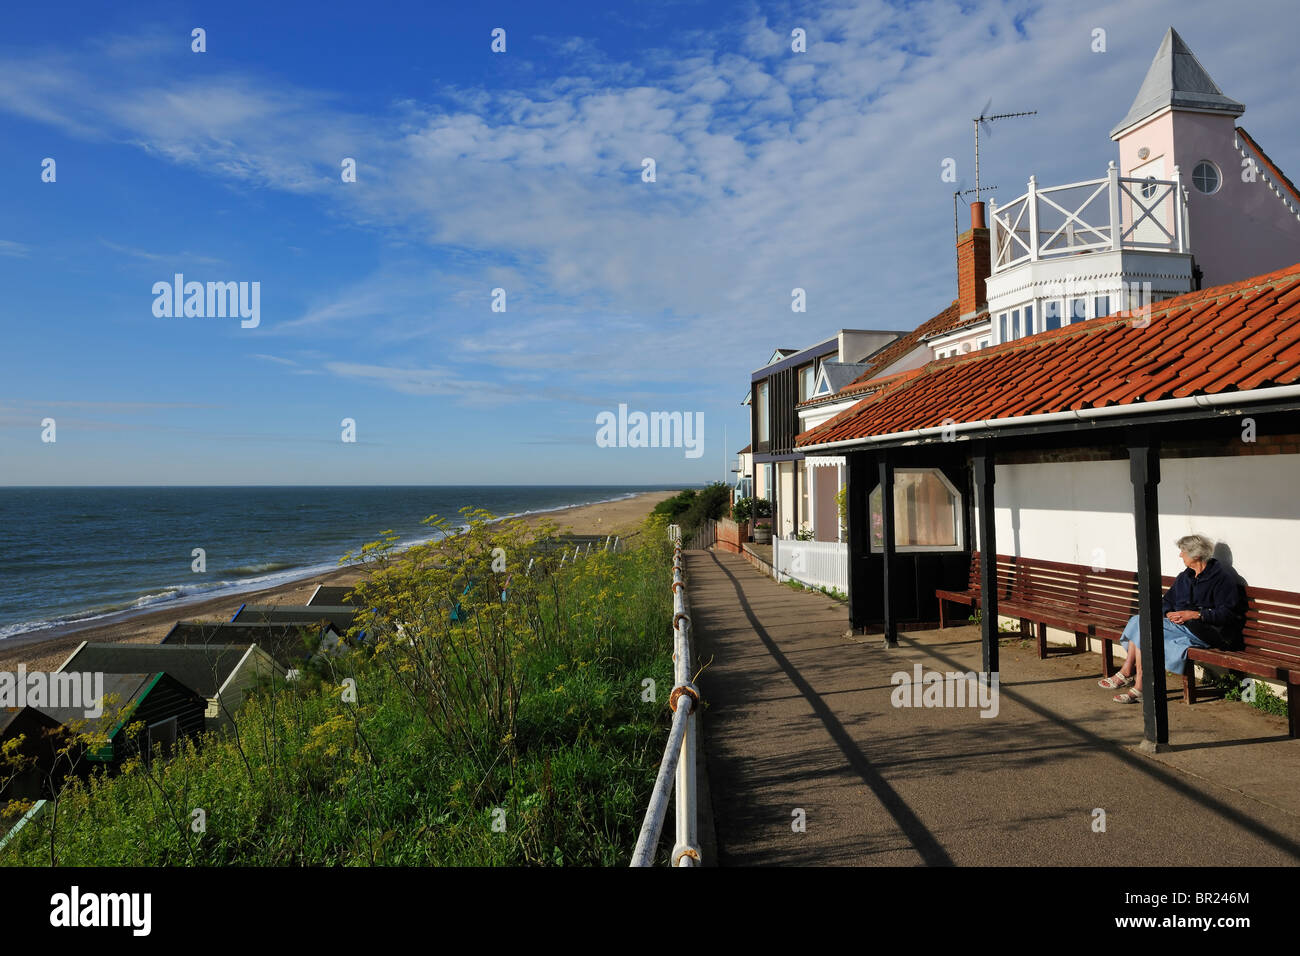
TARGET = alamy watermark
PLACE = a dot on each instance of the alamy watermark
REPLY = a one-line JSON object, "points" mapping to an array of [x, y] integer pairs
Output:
{"points": [[653, 430], [215, 300], [128, 910], [953, 689], [70, 690]]}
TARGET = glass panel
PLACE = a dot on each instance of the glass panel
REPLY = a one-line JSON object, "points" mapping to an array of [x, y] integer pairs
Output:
{"points": [[1016, 330], [925, 512], [806, 382], [1078, 310], [1101, 305], [1051, 315], [1005, 330], [1029, 320], [762, 412], [1205, 177]]}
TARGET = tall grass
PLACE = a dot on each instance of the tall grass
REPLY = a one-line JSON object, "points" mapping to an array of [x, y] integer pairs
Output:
{"points": [[516, 734]]}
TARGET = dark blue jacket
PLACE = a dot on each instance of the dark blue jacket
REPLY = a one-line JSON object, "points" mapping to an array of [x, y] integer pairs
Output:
{"points": [[1220, 597]]}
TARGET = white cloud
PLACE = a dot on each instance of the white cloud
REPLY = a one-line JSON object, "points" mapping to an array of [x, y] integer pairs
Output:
{"points": [[775, 170]]}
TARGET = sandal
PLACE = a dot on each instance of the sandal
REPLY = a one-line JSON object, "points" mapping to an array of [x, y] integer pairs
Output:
{"points": [[1132, 697], [1115, 681]]}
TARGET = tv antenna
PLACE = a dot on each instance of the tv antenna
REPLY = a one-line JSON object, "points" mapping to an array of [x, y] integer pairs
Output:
{"points": [[985, 119]]}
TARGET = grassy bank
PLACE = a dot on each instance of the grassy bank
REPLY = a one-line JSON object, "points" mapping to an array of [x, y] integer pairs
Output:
{"points": [[465, 729]]}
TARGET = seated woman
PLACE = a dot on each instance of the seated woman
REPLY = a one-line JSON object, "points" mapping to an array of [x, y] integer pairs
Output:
{"points": [[1206, 607]]}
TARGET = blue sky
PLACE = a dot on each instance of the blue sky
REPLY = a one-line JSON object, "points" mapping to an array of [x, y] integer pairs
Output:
{"points": [[520, 171]]}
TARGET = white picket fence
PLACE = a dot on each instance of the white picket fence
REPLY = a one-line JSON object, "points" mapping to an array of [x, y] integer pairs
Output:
{"points": [[819, 563]]}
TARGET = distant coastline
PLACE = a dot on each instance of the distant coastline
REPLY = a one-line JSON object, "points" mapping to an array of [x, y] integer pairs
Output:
{"points": [[46, 645]]}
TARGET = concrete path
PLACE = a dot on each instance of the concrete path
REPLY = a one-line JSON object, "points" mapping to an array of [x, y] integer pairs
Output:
{"points": [[798, 716]]}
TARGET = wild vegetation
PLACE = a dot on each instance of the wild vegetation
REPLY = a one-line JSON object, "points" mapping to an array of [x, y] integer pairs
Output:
{"points": [[494, 714], [691, 508]]}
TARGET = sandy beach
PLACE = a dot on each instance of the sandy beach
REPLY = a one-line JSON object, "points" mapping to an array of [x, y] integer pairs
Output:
{"points": [[47, 649]]}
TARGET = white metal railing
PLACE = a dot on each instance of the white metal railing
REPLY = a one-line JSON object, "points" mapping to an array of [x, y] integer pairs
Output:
{"points": [[679, 754], [1108, 214], [819, 563]]}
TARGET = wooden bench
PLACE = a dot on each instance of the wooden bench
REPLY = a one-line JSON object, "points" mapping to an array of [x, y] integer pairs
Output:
{"points": [[1098, 604], [1272, 648], [971, 596]]}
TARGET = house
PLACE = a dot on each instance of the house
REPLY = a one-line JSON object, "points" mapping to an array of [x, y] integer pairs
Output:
{"points": [[167, 708], [836, 391], [1163, 221], [221, 673], [744, 472], [289, 644], [789, 377], [1193, 201]]}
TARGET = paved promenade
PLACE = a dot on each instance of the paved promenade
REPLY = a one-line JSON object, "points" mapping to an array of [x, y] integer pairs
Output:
{"points": [[799, 717]]}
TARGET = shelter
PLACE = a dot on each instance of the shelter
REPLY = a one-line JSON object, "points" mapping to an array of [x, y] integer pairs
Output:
{"points": [[1078, 429]]}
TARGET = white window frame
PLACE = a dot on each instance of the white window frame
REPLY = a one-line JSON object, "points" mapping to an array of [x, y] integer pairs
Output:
{"points": [[958, 510]]}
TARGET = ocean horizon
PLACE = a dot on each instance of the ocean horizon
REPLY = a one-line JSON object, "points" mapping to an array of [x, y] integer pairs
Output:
{"points": [[75, 554]]}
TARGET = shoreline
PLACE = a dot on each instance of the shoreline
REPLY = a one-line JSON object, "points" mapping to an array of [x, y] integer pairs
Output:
{"points": [[47, 648]]}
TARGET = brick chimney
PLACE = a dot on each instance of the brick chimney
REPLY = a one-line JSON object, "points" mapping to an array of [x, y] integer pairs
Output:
{"points": [[974, 263]]}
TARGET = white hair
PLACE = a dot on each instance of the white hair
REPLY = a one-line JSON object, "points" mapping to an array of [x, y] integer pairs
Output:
{"points": [[1197, 546]]}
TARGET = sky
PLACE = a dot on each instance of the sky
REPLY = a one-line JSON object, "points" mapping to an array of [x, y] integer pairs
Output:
{"points": [[521, 171]]}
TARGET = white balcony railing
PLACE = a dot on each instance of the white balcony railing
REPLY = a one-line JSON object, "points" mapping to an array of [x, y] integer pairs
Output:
{"points": [[1099, 215]]}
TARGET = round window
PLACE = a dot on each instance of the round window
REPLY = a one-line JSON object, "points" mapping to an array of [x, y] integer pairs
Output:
{"points": [[1206, 178], [1149, 187]]}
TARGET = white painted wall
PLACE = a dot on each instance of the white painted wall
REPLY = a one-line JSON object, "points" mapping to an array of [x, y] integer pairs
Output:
{"points": [[1249, 504]]}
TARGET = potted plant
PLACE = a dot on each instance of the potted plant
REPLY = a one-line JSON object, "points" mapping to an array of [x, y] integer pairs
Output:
{"points": [[763, 532]]}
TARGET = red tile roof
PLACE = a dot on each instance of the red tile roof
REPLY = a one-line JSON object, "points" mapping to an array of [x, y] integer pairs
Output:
{"points": [[943, 322], [1227, 338]]}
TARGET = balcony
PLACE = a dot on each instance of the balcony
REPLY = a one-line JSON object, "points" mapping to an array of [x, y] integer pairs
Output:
{"points": [[1079, 251], [1112, 214]]}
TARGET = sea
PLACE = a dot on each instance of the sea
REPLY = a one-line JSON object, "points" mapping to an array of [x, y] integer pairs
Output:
{"points": [[75, 555]]}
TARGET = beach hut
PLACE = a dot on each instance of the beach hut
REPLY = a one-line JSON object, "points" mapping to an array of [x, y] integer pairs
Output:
{"points": [[222, 674], [329, 595], [32, 769], [338, 615], [168, 709], [289, 643]]}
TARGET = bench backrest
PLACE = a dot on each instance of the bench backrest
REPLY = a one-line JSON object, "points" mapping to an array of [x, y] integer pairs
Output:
{"points": [[1110, 596], [1273, 623]]}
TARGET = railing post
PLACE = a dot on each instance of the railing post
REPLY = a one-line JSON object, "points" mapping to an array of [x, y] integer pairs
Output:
{"points": [[1032, 198], [1179, 210], [993, 234], [1116, 224]]}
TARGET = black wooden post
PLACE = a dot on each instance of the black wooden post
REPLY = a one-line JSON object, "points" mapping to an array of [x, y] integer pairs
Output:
{"points": [[857, 471], [1144, 471], [888, 606], [983, 465]]}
